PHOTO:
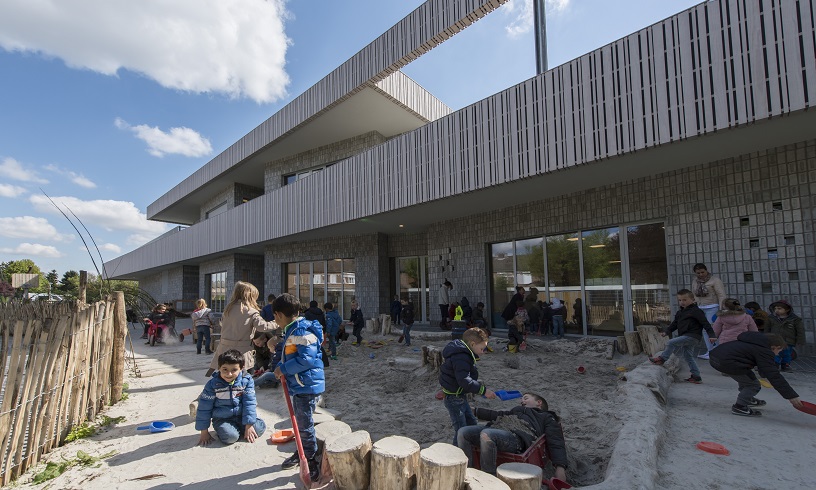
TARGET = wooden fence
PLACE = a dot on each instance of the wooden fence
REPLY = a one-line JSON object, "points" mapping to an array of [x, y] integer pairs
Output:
{"points": [[61, 364]]}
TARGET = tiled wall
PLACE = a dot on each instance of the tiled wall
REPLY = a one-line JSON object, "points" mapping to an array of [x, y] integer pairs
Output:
{"points": [[273, 175]]}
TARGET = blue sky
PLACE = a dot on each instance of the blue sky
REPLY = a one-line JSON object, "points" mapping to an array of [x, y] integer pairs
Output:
{"points": [[107, 104]]}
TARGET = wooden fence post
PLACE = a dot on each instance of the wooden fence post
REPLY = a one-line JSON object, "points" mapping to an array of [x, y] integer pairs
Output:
{"points": [[83, 286], [118, 361]]}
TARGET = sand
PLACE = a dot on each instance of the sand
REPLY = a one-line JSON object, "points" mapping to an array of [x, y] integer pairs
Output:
{"points": [[391, 394]]}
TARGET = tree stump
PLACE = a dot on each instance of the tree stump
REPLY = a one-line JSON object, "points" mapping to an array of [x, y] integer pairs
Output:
{"points": [[479, 480], [633, 343], [327, 430], [385, 323], [520, 476], [193, 408], [394, 463], [321, 417], [350, 459], [622, 344], [650, 339], [431, 357], [441, 467]]}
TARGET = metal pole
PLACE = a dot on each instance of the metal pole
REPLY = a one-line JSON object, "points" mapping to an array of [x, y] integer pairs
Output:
{"points": [[540, 28]]}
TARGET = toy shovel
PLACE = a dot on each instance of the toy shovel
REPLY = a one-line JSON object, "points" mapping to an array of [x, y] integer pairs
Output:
{"points": [[304, 465], [157, 426]]}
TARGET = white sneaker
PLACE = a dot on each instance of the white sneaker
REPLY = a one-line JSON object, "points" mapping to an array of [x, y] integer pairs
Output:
{"points": [[703, 356]]}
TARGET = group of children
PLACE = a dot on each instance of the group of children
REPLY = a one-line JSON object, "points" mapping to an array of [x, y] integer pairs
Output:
{"points": [[739, 346]]}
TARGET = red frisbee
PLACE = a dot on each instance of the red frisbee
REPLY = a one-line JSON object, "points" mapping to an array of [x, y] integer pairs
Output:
{"points": [[713, 448], [808, 408]]}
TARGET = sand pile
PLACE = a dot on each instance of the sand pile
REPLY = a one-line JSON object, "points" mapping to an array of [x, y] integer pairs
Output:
{"points": [[386, 391]]}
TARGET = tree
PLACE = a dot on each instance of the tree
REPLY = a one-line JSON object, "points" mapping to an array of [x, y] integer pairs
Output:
{"points": [[69, 284], [52, 278], [6, 291]]}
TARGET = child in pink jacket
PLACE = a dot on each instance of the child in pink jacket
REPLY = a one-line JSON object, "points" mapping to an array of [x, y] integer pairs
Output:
{"points": [[731, 321]]}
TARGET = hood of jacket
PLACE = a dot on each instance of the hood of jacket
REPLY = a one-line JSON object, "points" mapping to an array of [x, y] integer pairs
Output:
{"points": [[756, 338], [730, 317], [456, 347], [783, 303], [464, 303]]}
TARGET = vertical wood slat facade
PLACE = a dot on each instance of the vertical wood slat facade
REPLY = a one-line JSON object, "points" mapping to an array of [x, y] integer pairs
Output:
{"points": [[57, 374], [690, 75]]}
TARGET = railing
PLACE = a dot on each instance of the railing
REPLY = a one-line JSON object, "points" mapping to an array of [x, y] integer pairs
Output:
{"points": [[61, 364]]}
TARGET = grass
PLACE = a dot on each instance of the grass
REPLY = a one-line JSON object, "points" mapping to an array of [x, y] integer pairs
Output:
{"points": [[53, 470], [89, 428]]}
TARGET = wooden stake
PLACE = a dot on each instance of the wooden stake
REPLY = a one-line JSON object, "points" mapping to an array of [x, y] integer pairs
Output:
{"points": [[394, 463], [83, 286], [633, 343], [441, 467], [520, 476], [350, 459], [479, 480], [651, 340]]}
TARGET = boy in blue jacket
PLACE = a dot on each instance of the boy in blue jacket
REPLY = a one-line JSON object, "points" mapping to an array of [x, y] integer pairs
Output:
{"points": [[333, 322], [302, 369], [228, 400], [458, 376]]}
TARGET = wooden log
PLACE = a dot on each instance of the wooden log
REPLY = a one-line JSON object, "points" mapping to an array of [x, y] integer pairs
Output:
{"points": [[431, 357], [350, 459], [622, 344], [25, 397], [193, 409], [22, 339], [441, 467], [385, 324], [337, 415], [633, 343], [650, 339], [83, 286], [479, 480], [394, 463], [327, 430], [520, 476]]}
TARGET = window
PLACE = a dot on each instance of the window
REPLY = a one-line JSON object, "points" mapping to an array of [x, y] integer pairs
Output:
{"points": [[221, 208], [216, 286], [292, 178], [323, 281]]}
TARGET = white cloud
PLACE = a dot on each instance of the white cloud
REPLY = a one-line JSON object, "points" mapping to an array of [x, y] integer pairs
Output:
{"points": [[139, 239], [31, 228], [235, 47], [33, 249], [181, 141], [523, 15], [105, 247], [76, 178], [106, 214], [14, 170], [8, 190]]}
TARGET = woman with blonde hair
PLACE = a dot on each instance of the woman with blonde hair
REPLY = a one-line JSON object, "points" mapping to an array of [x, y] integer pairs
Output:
{"points": [[240, 321]]}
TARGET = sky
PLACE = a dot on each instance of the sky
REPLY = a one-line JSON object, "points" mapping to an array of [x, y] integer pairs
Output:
{"points": [[105, 105]]}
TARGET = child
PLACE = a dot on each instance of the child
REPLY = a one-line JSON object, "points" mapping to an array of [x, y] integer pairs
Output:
{"points": [[302, 369], [396, 310], [760, 317], [228, 400], [689, 321], [266, 312], [515, 327], [789, 326], [261, 371], [478, 316], [202, 322], [513, 431], [738, 358], [557, 314], [408, 321], [240, 320], [467, 311], [333, 321], [458, 376], [156, 322], [357, 320], [732, 321]]}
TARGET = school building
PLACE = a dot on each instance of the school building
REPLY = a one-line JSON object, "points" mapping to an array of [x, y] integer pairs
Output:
{"points": [[603, 179]]}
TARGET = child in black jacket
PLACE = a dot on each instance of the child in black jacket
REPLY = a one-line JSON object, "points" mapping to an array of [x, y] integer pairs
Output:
{"points": [[514, 431], [690, 321], [738, 358]]}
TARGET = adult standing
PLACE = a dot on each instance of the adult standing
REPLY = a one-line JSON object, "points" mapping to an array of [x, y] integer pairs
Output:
{"points": [[709, 294], [444, 302], [510, 310]]}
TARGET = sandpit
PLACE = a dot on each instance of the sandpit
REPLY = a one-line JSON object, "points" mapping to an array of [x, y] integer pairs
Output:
{"points": [[382, 388]]}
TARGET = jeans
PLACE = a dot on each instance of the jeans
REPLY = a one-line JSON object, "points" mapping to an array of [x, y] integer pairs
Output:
{"points": [[358, 333], [332, 333], [748, 387], [203, 334], [558, 325], [687, 346], [266, 379], [230, 430], [710, 311], [785, 356], [490, 441], [304, 406], [406, 332], [460, 413]]}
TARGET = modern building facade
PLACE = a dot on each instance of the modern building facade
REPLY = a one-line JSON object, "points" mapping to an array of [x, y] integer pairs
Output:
{"points": [[601, 180]]}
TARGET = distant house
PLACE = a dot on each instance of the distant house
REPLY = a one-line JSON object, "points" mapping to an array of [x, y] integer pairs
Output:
{"points": [[603, 179]]}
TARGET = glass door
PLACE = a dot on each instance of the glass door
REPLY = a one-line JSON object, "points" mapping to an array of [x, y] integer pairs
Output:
{"points": [[564, 277], [412, 284], [648, 275], [603, 282]]}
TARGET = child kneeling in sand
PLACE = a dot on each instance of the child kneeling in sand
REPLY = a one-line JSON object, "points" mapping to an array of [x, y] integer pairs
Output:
{"points": [[228, 400], [458, 376], [738, 358], [513, 431]]}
